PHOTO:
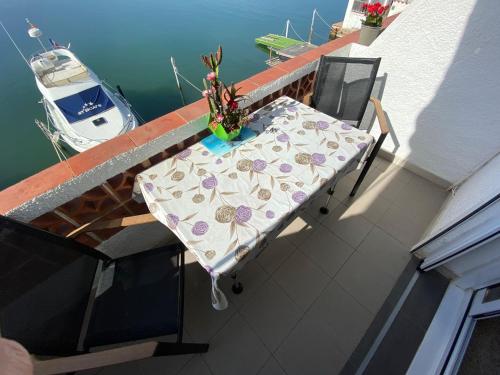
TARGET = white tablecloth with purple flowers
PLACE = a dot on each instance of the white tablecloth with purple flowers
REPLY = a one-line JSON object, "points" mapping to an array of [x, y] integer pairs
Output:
{"points": [[224, 208]]}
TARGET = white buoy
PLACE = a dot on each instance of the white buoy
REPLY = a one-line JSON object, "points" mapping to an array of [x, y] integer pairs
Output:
{"points": [[35, 32]]}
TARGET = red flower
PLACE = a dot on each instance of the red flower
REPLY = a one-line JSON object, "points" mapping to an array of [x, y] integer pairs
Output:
{"points": [[364, 6], [381, 10], [232, 104]]}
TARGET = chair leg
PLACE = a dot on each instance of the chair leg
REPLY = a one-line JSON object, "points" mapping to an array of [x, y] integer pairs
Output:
{"points": [[324, 209], [368, 164], [170, 348], [237, 287]]}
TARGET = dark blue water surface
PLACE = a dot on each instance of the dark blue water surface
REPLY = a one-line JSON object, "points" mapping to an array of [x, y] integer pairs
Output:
{"points": [[130, 43]]}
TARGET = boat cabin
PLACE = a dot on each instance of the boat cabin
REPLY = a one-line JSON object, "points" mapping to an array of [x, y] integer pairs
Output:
{"points": [[58, 67]]}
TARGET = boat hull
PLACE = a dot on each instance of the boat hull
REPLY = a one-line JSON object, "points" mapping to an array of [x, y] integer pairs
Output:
{"points": [[80, 108]]}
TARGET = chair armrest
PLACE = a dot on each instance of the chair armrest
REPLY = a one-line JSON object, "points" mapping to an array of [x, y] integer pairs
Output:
{"points": [[307, 99], [381, 117], [95, 359], [126, 221]]}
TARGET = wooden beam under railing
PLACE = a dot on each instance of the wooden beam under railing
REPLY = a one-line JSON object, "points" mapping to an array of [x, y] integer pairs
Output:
{"points": [[121, 222]]}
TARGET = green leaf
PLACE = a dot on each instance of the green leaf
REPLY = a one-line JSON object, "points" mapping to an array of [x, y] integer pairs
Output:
{"points": [[219, 55]]}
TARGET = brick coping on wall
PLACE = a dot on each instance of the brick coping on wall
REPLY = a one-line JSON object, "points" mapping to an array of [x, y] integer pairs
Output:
{"points": [[57, 174]]}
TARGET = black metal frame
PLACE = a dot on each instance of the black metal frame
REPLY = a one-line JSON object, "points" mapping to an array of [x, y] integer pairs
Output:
{"points": [[368, 163], [353, 60], [179, 347]]}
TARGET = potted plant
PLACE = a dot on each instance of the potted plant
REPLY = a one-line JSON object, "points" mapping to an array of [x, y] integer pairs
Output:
{"points": [[226, 117], [372, 25]]}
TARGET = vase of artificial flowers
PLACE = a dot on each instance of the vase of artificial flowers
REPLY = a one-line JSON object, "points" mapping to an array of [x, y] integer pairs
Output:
{"points": [[371, 27], [226, 118]]}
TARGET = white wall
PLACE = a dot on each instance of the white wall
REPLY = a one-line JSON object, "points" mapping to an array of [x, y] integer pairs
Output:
{"points": [[442, 90]]}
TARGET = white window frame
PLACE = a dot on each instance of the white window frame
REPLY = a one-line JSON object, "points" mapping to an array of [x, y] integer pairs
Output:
{"points": [[446, 340]]}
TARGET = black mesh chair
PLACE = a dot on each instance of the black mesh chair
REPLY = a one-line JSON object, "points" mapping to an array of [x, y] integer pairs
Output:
{"points": [[342, 89], [59, 298]]}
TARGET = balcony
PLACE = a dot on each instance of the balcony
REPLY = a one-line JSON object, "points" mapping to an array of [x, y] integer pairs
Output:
{"points": [[312, 295]]}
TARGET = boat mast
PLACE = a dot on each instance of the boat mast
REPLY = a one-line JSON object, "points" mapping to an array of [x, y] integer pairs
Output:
{"points": [[15, 45]]}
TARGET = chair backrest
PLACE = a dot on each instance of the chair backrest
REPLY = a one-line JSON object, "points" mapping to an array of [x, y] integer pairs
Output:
{"points": [[343, 86], [45, 283]]}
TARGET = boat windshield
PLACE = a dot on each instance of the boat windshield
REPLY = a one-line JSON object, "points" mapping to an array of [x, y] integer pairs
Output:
{"points": [[85, 104]]}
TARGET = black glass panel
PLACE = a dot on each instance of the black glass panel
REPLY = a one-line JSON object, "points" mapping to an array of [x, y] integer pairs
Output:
{"points": [[343, 86], [492, 294], [45, 282], [139, 298]]}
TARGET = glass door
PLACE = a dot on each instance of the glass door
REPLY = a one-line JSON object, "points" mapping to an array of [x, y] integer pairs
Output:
{"points": [[477, 347]]}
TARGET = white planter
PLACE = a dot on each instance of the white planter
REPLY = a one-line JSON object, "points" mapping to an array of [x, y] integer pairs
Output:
{"points": [[368, 34]]}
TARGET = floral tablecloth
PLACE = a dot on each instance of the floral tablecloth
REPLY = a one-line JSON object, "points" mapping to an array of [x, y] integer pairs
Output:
{"points": [[224, 208]]}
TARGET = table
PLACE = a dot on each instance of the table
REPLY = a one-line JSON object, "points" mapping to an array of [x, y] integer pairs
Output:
{"points": [[225, 209]]}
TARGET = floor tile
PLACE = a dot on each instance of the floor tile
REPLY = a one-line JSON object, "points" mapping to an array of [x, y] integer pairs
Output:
{"points": [[346, 316], [301, 279], [388, 184], [252, 276], [367, 283], [400, 224], [299, 229], [314, 207], [271, 367], [342, 189], [236, 349], [310, 349], [422, 198], [201, 320], [349, 227], [385, 166], [279, 250], [369, 204], [195, 366], [383, 251], [327, 250], [272, 314]]}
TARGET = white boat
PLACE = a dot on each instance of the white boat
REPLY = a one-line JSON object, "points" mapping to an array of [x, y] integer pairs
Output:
{"points": [[81, 110]]}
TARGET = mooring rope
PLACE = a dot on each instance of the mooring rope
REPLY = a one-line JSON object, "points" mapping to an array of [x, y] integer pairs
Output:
{"points": [[322, 19], [189, 82], [293, 29]]}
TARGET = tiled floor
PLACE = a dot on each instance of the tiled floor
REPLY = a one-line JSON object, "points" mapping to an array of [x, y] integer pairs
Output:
{"points": [[310, 297]]}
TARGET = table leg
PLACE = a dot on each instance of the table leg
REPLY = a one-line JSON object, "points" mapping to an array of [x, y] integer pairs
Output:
{"points": [[324, 209], [237, 287]]}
